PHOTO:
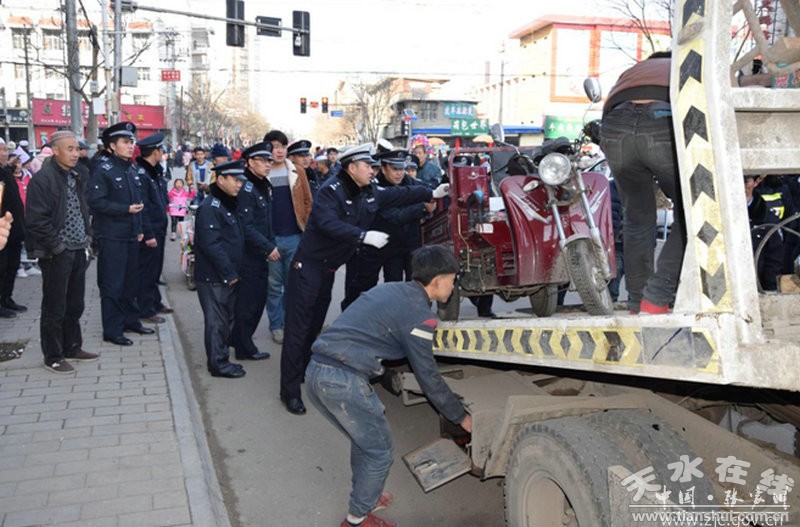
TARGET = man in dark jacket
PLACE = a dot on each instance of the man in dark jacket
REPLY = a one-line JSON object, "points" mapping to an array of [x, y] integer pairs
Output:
{"points": [[58, 235], [219, 253], [254, 207], [762, 219], [11, 254], [389, 322], [340, 221], [154, 227]]}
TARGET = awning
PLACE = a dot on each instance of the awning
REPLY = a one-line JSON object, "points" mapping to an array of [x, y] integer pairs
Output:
{"points": [[50, 23], [140, 26], [20, 21]]}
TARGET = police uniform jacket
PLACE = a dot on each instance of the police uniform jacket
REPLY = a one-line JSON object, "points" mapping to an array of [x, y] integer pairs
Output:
{"points": [[401, 223], [342, 214], [154, 197], [218, 239], [391, 321], [255, 212], [114, 186]]}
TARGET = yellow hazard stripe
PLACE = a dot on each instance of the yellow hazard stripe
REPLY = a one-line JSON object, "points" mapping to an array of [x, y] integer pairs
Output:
{"points": [[692, 348]]}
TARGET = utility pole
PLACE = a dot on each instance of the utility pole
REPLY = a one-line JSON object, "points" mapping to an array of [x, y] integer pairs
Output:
{"points": [[171, 36], [502, 84], [31, 133], [5, 114], [107, 67], [73, 69], [117, 60]]}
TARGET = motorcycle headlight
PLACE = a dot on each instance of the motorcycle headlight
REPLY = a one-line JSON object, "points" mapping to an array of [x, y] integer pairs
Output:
{"points": [[555, 169]]}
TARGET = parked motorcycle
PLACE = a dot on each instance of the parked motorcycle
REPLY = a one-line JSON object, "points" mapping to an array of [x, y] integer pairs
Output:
{"points": [[551, 227]]}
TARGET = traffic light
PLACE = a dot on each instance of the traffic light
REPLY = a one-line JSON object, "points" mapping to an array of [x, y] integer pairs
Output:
{"points": [[302, 105], [301, 42], [324, 105], [403, 128], [235, 32]]}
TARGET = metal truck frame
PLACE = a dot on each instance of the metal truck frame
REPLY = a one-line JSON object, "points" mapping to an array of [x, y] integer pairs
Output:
{"points": [[722, 331]]}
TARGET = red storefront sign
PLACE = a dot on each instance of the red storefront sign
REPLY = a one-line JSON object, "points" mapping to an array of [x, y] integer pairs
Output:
{"points": [[54, 112], [170, 75]]}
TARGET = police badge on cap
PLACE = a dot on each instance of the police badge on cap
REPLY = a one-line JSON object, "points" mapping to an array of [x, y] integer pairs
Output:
{"points": [[299, 148], [395, 158], [121, 129]]}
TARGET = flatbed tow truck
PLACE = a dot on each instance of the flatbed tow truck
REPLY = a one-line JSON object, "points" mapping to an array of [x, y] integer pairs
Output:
{"points": [[628, 420]]}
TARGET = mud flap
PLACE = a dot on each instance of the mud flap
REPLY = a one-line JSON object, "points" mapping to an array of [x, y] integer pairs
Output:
{"points": [[437, 463]]}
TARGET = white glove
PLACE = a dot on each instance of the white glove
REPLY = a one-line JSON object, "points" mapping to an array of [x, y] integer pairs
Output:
{"points": [[376, 238], [441, 191]]}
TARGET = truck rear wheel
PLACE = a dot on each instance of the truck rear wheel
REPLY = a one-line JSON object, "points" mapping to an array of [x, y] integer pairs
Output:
{"points": [[558, 475], [449, 310], [545, 301], [587, 275]]}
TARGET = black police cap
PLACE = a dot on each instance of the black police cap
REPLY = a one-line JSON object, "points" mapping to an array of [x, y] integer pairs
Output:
{"points": [[121, 129], [152, 141], [300, 147], [262, 149]]}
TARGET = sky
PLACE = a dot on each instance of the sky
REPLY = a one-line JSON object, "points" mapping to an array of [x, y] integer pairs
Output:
{"points": [[351, 38]]}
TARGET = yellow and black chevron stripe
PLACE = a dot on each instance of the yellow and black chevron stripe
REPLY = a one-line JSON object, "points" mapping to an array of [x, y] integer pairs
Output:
{"points": [[695, 140], [685, 347]]}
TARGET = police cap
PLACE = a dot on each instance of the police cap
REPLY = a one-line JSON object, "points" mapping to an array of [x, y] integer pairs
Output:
{"points": [[301, 148], [262, 149], [357, 153], [152, 141], [395, 158], [121, 129], [231, 168]]}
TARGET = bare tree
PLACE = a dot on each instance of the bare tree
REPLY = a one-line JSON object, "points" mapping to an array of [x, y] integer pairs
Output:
{"points": [[205, 115], [641, 13], [374, 107]]}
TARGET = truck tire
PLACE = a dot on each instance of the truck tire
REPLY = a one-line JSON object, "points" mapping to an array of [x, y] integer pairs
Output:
{"points": [[558, 475], [587, 276], [647, 441], [449, 310], [545, 301]]}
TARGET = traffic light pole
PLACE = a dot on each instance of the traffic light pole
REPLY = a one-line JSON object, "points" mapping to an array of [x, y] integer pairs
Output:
{"points": [[222, 19]]}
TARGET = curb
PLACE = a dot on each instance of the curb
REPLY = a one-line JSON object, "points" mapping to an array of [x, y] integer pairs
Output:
{"points": [[206, 504]]}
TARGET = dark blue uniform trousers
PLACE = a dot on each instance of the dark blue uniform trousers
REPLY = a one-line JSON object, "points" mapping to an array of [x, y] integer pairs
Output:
{"points": [[308, 296], [217, 302], [151, 262], [364, 269], [118, 279], [250, 301]]}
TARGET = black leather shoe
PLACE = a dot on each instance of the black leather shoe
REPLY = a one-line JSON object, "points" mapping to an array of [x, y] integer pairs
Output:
{"points": [[141, 330], [7, 313], [489, 314], [161, 282], [230, 374], [261, 355], [295, 406], [9, 303], [119, 341]]}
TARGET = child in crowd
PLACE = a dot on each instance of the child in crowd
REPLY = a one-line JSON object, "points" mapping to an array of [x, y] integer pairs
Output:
{"points": [[179, 199]]}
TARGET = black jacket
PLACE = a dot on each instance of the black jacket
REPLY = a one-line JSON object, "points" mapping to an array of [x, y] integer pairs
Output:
{"points": [[768, 267], [254, 204], [218, 239], [114, 186], [47, 209], [154, 197], [401, 223], [12, 202]]}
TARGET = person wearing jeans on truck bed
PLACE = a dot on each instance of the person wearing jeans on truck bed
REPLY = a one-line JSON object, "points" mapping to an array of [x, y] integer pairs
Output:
{"points": [[391, 321], [639, 143]]}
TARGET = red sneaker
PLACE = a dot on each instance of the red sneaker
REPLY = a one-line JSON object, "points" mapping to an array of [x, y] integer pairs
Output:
{"points": [[371, 521], [384, 501], [648, 308]]}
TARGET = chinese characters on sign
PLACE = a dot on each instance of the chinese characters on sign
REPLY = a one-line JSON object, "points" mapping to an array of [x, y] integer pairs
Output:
{"points": [[469, 127], [455, 110], [170, 75], [557, 126], [768, 498]]}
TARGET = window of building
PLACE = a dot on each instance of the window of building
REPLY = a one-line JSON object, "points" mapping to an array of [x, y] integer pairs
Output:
{"points": [[84, 41], [52, 39], [140, 40], [18, 38], [143, 74], [429, 111], [19, 71], [51, 74], [140, 99]]}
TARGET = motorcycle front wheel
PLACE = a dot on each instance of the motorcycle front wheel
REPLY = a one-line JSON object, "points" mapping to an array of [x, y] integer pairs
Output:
{"points": [[190, 284], [587, 276]]}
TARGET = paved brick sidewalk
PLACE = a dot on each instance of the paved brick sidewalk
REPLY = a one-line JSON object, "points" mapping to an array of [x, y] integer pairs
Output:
{"points": [[120, 443]]}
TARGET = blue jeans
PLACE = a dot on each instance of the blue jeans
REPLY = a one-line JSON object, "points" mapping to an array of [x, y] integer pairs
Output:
{"points": [[348, 401], [639, 144], [278, 272]]}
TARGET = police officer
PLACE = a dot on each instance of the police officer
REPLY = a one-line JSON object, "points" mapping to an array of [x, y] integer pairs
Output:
{"points": [[400, 223], [115, 199], [219, 253], [154, 226], [255, 214], [345, 207]]}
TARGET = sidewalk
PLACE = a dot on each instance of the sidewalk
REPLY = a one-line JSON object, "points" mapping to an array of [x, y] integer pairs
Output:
{"points": [[120, 443]]}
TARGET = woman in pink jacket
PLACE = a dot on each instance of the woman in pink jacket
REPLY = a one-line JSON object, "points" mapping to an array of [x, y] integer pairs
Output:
{"points": [[179, 200]]}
